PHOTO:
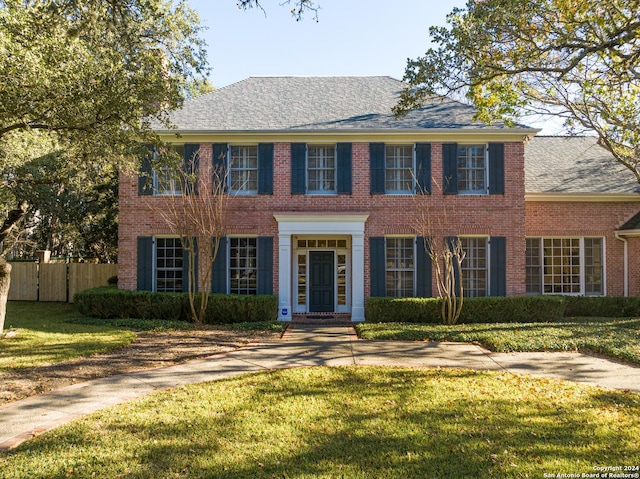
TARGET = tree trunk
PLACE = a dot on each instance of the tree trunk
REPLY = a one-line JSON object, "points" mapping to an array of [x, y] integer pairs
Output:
{"points": [[5, 276]]}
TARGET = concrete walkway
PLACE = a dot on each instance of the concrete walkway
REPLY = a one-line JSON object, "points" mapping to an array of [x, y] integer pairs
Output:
{"points": [[300, 346]]}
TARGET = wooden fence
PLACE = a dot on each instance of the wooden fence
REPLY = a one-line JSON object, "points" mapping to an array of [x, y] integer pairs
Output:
{"points": [[56, 281]]}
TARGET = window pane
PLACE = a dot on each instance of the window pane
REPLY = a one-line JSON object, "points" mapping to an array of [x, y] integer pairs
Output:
{"points": [[242, 265], [472, 169], [399, 169], [593, 266], [400, 267], [474, 267], [321, 169], [533, 266], [243, 169], [169, 265]]}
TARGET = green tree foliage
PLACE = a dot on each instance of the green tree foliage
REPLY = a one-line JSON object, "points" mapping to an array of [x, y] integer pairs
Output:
{"points": [[579, 59], [85, 80]]}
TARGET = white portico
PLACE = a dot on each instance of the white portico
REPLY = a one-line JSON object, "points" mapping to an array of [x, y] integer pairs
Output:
{"points": [[321, 263]]}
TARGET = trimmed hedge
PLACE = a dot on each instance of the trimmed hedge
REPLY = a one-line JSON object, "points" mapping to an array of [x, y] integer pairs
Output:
{"points": [[475, 310], [602, 306], [517, 309], [108, 302]]}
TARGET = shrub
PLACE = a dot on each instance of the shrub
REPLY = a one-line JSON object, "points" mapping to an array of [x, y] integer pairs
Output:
{"points": [[108, 302], [406, 310], [475, 310], [603, 306]]}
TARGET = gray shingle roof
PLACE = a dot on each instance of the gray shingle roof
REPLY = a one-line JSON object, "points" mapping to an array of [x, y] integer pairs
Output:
{"points": [[574, 164], [316, 103]]}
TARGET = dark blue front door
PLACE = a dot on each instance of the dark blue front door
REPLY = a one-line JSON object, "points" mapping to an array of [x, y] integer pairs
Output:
{"points": [[321, 288]]}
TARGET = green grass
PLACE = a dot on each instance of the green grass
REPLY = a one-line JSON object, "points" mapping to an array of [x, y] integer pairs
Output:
{"points": [[355, 422], [615, 338], [41, 334]]}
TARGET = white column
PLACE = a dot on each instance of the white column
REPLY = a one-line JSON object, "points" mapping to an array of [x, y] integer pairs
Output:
{"points": [[357, 277], [284, 278]]}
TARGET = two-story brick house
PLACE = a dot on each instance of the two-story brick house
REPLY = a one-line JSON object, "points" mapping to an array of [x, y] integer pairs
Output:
{"points": [[324, 184]]}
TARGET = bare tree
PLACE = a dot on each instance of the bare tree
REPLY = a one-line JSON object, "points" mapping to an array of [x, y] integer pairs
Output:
{"points": [[198, 217], [445, 251]]}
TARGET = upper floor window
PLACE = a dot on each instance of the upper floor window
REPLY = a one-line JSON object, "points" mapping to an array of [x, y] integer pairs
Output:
{"points": [[321, 169], [399, 169], [161, 175], [243, 169], [565, 266], [166, 179], [472, 169]]}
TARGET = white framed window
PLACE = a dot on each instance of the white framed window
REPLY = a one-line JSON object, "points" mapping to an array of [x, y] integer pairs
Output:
{"points": [[166, 179], [399, 168], [472, 165], [243, 265], [400, 266], [321, 169], [565, 266], [168, 265], [243, 170], [475, 266]]}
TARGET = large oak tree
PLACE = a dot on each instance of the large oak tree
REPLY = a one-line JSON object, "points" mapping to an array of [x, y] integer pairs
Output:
{"points": [[576, 59], [82, 82]]}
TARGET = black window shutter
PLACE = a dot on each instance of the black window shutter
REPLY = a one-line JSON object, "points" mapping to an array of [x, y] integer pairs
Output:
{"points": [[423, 269], [190, 165], [423, 167], [377, 275], [265, 169], [498, 266], [145, 263], [344, 168], [376, 168], [265, 265], [450, 168], [219, 270], [219, 159], [145, 175], [496, 168], [298, 168]]}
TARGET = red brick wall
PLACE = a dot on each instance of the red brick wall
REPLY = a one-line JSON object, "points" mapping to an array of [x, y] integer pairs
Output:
{"points": [[492, 215], [577, 219]]}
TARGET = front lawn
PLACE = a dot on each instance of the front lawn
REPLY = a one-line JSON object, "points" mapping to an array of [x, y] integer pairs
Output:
{"points": [[613, 337], [40, 333], [353, 422]]}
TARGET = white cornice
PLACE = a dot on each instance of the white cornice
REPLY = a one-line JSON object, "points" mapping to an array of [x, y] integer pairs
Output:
{"points": [[583, 197], [353, 135]]}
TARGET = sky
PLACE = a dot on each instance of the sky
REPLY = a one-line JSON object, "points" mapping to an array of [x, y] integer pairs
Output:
{"points": [[351, 37]]}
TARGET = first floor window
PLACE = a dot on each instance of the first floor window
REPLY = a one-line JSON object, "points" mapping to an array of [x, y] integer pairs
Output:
{"points": [[321, 169], [400, 267], [475, 267], [565, 266], [472, 169], [243, 169], [169, 265], [399, 169], [243, 265]]}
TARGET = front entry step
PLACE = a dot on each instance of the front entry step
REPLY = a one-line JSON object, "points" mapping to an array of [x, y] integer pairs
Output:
{"points": [[321, 318]]}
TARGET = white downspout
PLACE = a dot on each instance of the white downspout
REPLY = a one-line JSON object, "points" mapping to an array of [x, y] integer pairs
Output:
{"points": [[625, 260]]}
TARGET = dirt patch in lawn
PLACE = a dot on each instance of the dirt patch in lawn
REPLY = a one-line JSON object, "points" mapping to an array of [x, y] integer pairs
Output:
{"points": [[148, 350]]}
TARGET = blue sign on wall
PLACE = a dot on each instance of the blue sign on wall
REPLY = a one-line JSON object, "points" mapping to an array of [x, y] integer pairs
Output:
{"points": [[285, 311]]}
